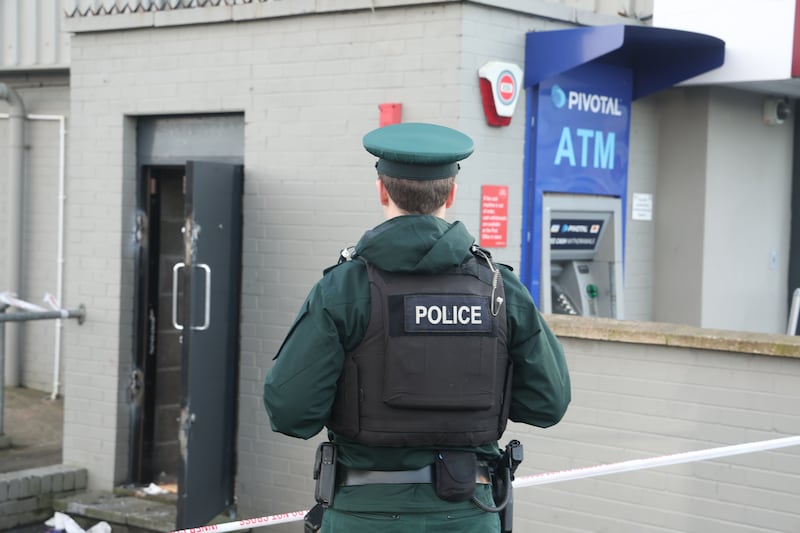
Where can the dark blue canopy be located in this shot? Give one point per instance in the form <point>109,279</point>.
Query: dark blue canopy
<point>658,57</point>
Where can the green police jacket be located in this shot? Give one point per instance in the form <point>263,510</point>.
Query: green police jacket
<point>299,389</point>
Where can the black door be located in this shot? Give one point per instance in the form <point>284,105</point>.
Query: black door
<point>210,275</point>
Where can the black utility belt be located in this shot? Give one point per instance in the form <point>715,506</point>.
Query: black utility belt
<point>352,476</point>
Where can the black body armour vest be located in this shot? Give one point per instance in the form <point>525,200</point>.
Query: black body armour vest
<point>433,368</point>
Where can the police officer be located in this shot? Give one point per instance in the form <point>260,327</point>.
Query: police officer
<point>414,351</point>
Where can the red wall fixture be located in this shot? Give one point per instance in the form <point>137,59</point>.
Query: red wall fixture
<point>500,85</point>
<point>390,114</point>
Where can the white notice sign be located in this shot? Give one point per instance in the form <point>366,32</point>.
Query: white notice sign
<point>642,208</point>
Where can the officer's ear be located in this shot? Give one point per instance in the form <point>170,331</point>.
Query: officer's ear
<point>451,197</point>
<point>383,194</point>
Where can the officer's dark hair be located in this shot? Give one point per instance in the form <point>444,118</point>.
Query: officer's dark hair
<point>418,197</point>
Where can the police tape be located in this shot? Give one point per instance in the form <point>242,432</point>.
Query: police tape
<point>271,520</point>
<point>654,462</point>
<point>550,477</point>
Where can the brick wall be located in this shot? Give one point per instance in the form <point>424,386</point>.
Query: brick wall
<point>308,190</point>
<point>26,496</point>
<point>309,87</point>
<point>661,395</point>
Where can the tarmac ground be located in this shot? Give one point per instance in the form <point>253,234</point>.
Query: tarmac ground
<point>32,429</point>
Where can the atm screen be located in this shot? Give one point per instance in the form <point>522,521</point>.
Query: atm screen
<point>575,234</point>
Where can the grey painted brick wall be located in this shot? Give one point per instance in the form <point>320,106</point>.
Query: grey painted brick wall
<point>633,401</point>
<point>309,87</point>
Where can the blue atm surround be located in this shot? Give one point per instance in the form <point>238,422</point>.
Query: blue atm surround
<point>580,84</point>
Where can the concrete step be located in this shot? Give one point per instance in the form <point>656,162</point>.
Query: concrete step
<point>125,513</point>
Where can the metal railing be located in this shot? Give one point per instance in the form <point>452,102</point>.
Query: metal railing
<point>24,316</point>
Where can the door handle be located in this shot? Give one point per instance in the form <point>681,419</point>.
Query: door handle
<point>207,307</point>
<point>175,268</point>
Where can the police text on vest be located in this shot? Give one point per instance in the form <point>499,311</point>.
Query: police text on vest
<point>446,313</point>
<point>462,314</point>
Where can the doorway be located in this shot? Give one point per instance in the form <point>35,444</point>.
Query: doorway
<point>157,450</point>
<point>184,386</point>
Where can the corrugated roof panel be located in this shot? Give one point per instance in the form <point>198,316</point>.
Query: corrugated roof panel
<point>31,31</point>
<point>88,8</point>
<point>31,36</point>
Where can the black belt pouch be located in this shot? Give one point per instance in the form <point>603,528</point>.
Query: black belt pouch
<point>454,475</point>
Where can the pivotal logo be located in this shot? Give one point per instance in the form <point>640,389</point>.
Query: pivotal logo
<point>598,104</point>
<point>558,96</point>
<point>574,228</point>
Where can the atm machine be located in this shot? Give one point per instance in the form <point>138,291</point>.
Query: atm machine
<point>582,263</point>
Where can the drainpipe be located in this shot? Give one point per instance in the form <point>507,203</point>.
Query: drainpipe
<point>13,279</point>
<point>56,302</point>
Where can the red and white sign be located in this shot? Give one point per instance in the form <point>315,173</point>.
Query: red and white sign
<point>506,87</point>
<point>494,216</point>
<point>500,85</point>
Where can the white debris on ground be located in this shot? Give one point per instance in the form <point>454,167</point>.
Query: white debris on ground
<point>63,522</point>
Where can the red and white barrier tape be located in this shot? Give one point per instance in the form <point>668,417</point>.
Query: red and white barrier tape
<point>551,477</point>
<point>271,520</point>
<point>654,462</point>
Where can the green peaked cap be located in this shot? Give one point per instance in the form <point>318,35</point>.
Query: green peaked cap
<point>418,151</point>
